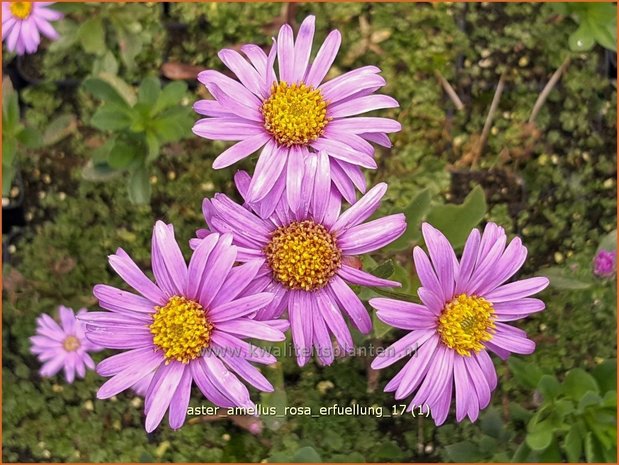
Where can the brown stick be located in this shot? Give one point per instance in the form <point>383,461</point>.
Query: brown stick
<point>488,124</point>
<point>541,99</point>
<point>449,90</point>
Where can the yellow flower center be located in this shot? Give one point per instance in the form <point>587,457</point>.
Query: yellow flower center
<point>465,323</point>
<point>303,255</point>
<point>71,343</point>
<point>180,328</point>
<point>21,10</point>
<point>295,114</point>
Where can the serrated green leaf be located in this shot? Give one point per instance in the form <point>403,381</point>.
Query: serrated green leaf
<point>457,221</point>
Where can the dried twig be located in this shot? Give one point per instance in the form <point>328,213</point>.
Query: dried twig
<point>488,124</point>
<point>449,90</point>
<point>541,99</point>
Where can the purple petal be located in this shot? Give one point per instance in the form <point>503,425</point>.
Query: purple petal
<point>180,400</point>
<point>134,370</point>
<point>366,124</point>
<point>404,315</point>
<point>373,235</point>
<point>350,303</point>
<point>324,59</point>
<point>119,301</point>
<point>362,209</point>
<point>517,290</point>
<point>294,176</point>
<point>208,388</point>
<point>285,54</point>
<point>516,309</point>
<point>240,150</point>
<point>303,48</point>
<point>403,347</point>
<point>129,271</point>
<point>245,327</point>
<point>248,76</point>
<point>362,278</point>
<point>160,392</point>
<point>249,373</point>
<point>334,320</point>
<point>172,268</point>
<point>268,169</point>
<point>362,105</point>
<point>240,307</point>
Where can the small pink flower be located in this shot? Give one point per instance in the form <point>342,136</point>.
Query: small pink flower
<point>24,22</point>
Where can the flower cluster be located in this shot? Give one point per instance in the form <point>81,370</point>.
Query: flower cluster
<point>286,258</point>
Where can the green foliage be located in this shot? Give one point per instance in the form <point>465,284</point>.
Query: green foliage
<point>139,125</point>
<point>576,419</point>
<point>597,23</point>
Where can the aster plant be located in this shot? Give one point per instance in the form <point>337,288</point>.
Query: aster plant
<point>63,346</point>
<point>306,254</point>
<point>24,22</point>
<point>289,114</point>
<point>465,309</point>
<point>188,326</point>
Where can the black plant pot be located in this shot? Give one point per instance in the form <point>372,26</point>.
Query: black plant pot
<point>13,212</point>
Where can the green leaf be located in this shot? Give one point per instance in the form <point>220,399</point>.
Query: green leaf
<point>414,213</point>
<point>578,382</point>
<point>559,279</point>
<point>104,91</point>
<point>573,444</point>
<point>491,423</point>
<point>380,329</point>
<point>30,138</point>
<point>110,118</point>
<point>130,45</point>
<point>122,155</point>
<point>172,94</point>
<point>609,241</point>
<point>606,375</point>
<point>91,35</point>
<point>464,451</point>
<point>525,373</point>
<point>589,399</point>
<point>59,128</point>
<point>153,146</point>
<point>541,438</point>
<point>149,91</point>
<point>593,449</point>
<point>602,19</point>
<point>306,455</point>
<point>457,221</point>
<point>582,39</point>
<point>549,387</point>
<point>139,186</point>
<point>8,171</point>
<point>9,150</point>
<point>10,106</point>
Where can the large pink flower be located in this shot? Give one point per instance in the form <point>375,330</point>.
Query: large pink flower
<point>289,114</point>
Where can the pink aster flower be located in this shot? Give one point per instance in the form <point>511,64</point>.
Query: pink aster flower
<point>465,308</point>
<point>187,327</point>
<point>63,347</point>
<point>24,22</point>
<point>604,264</point>
<point>292,113</point>
<point>306,255</point>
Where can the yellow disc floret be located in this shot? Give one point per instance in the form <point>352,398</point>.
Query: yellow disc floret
<point>180,329</point>
<point>465,323</point>
<point>295,114</point>
<point>21,10</point>
<point>303,255</point>
<point>71,344</point>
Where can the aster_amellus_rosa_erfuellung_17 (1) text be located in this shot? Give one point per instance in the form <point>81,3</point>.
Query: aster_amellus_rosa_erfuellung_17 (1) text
<point>283,262</point>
